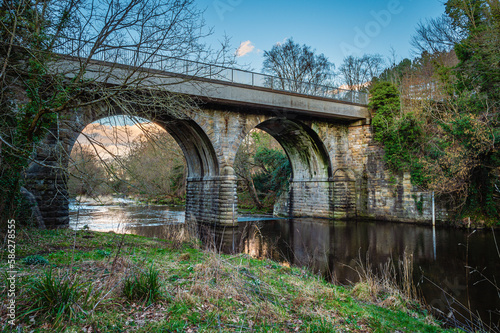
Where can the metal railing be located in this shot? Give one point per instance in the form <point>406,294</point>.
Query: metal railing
<point>196,69</point>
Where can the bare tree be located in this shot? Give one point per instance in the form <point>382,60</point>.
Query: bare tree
<point>436,35</point>
<point>297,67</point>
<point>358,72</point>
<point>62,55</point>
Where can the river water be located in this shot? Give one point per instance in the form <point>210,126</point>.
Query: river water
<point>453,268</point>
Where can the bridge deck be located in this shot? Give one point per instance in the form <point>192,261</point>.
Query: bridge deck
<point>221,85</point>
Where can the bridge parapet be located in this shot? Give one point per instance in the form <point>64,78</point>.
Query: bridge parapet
<point>196,69</point>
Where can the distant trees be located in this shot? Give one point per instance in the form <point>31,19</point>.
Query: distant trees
<point>89,176</point>
<point>263,170</point>
<point>297,67</point>
<point>150,167</point>
<point>155,168</point>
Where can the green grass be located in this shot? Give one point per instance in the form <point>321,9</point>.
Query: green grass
<point>194,290</point>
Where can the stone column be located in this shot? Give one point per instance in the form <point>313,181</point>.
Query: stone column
<point>212,200</point>
<point>311,198</point>
<point>306,198</point>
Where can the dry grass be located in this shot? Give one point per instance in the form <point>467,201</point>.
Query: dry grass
<point>390,285</point>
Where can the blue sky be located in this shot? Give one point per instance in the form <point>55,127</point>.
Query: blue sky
<point>334,28</point>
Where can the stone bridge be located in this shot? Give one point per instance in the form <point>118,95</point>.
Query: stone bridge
<point>337,170</point>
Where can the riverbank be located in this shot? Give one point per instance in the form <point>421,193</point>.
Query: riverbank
<point>198,291</point>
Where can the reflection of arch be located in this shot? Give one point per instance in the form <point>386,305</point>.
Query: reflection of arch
<point>307,153</point>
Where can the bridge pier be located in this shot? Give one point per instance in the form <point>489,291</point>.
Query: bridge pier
<point>343,196</point>
<point>306,198</point>
<point>318,198</point>
<point>212,201</point>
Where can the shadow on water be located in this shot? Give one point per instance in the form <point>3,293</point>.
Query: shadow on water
<point>331,248</point>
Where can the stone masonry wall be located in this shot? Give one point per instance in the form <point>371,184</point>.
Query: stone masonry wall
<point>306,199</point>
<point>210,201</point>
<point>380,193</point>
<point>361,185</point>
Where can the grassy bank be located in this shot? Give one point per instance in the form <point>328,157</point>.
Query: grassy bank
<point>104,282</point>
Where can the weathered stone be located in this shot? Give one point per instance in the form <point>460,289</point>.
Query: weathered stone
<point>338,171</point>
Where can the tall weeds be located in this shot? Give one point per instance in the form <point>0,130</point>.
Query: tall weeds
<point>391,284</point>
<point>461,315</point>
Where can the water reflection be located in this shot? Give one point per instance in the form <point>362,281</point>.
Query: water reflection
<point>332,248</point>
<point>123,219</point>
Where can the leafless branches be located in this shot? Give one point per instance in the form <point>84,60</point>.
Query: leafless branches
<point>357,72</point>
<point>61,58</point>
<point>297,67</point>
<point>436,35</point>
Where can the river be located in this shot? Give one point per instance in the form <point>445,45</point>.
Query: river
<point>450,266</point>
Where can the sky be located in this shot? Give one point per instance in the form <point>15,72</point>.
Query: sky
<point>114,135</point>
<point>335,28</point>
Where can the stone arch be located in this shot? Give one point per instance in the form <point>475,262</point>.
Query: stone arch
<point>309,191</point>
<point>308,156</point>
<point>198,150</point>
<point>344,174</point>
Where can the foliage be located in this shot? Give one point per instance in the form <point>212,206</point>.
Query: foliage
<point>445,133</point>
<point>295,65</point>
<point>399,133</point>
<point>262,165</point>
<point>274,172</point>
<point>478,70</point>
<point>471,128</point>
<point>395,72</point>
<point>155,166</point>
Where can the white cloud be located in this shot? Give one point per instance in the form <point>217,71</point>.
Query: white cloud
<point>244,48</point>
<point>283,41</point>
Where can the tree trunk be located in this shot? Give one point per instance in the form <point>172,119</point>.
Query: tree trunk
<point>253,193</point>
